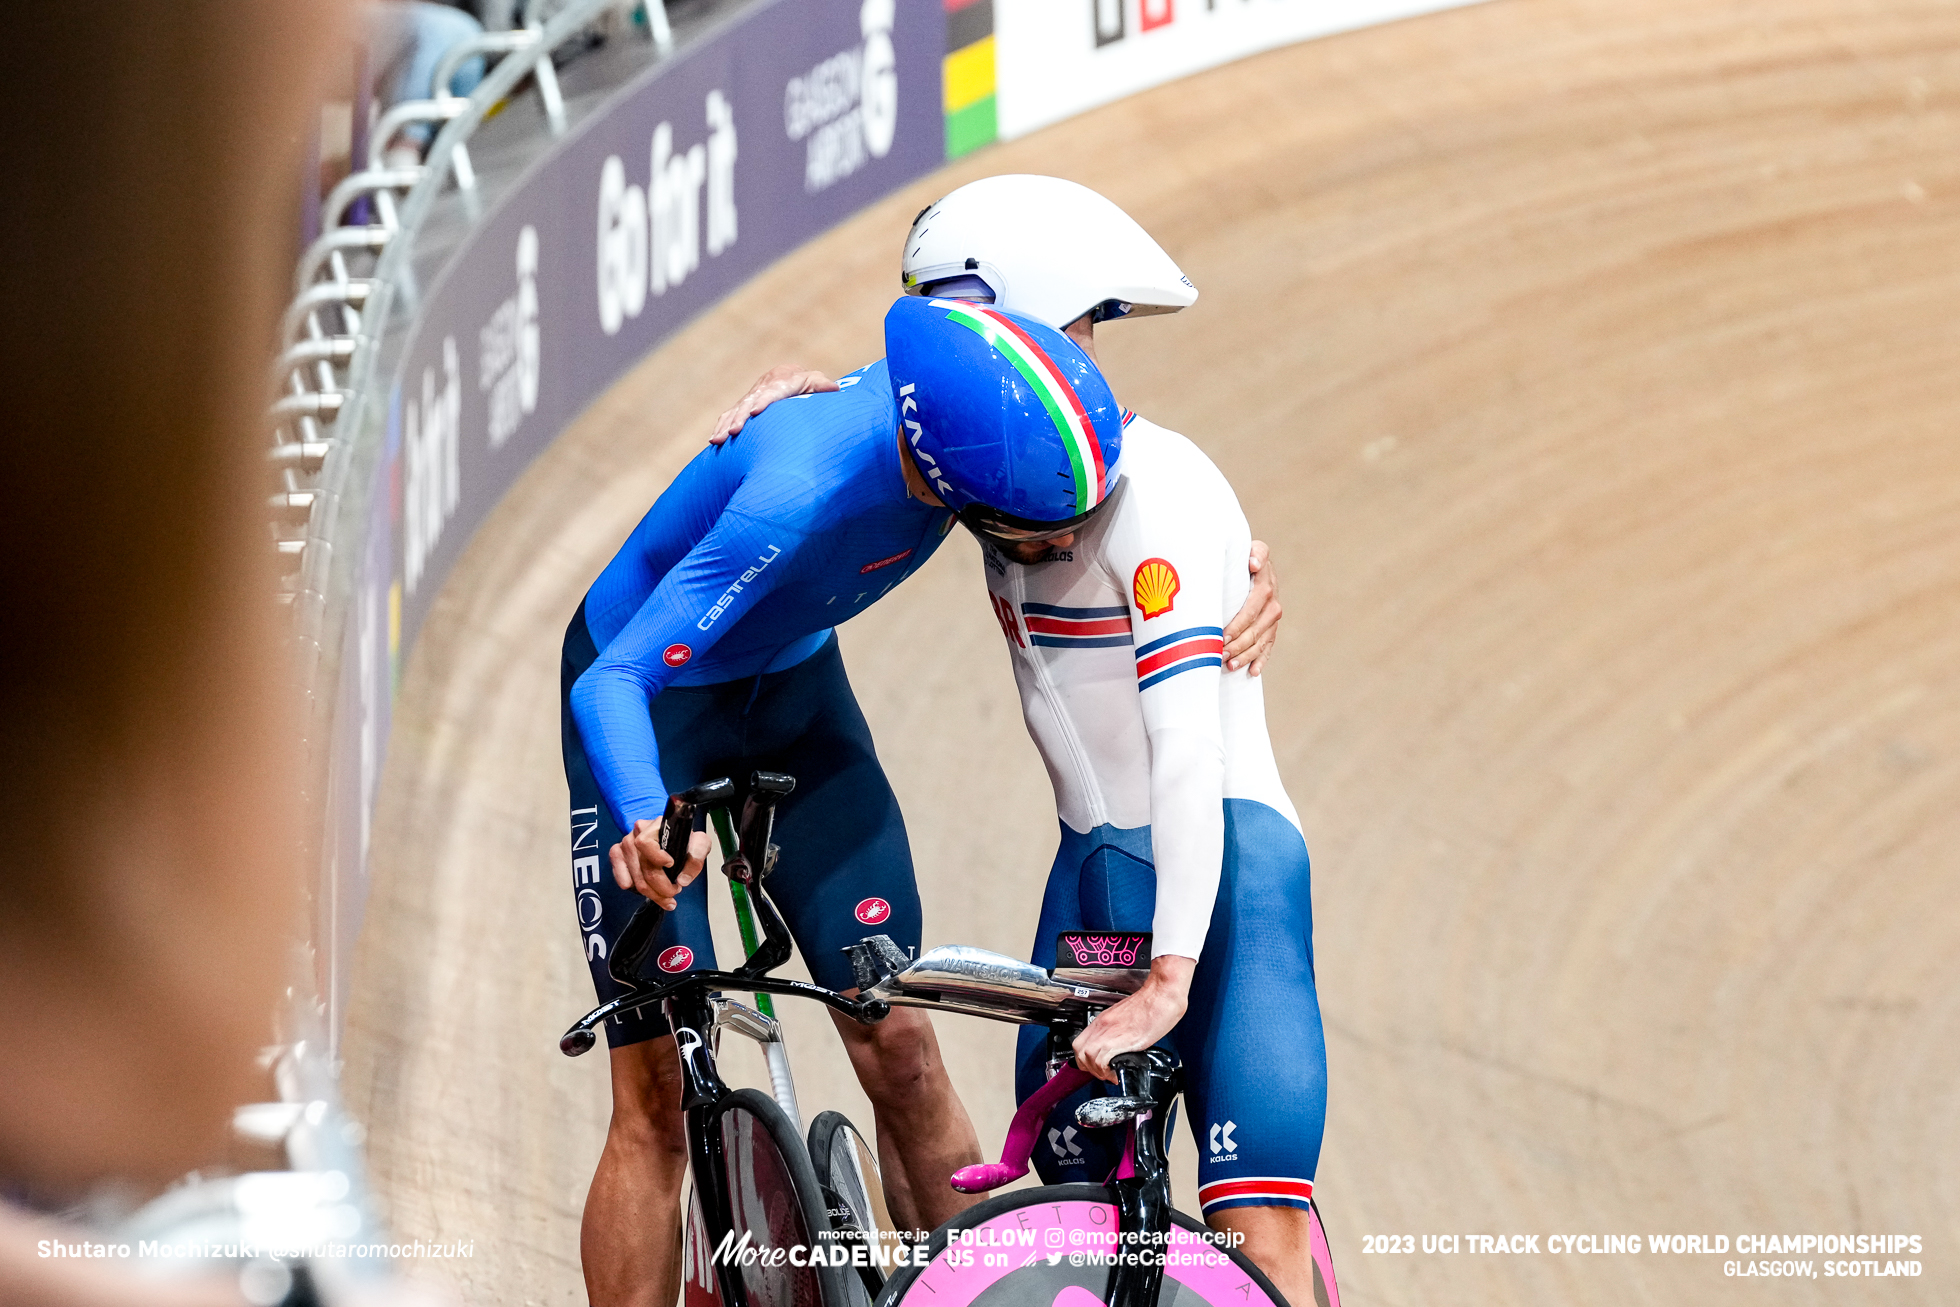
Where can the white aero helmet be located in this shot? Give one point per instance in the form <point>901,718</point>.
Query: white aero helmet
<point>1051,249</point>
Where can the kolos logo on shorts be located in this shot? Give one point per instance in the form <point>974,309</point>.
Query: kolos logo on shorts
<point>872,911</point>
<point>678,958</point>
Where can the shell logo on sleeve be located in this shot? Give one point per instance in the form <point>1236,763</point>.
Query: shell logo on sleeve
<point>1155,587</point>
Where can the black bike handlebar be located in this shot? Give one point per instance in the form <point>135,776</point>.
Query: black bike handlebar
<point>749,864</point>
<point>636,941</point>
<point>582,1036</point>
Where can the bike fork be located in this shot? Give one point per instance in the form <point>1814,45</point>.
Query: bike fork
<point>692,1020</point>
<point>1143,1184</point>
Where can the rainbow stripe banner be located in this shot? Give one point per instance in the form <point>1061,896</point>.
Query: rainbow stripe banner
<point>971,120</point>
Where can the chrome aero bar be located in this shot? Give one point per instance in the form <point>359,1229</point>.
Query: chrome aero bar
<point>960,978</point>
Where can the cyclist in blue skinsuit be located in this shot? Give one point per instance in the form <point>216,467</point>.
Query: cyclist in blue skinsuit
<point>705,649</point>
<point>718,611</point>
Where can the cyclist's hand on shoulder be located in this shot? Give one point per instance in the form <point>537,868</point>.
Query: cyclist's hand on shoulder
<point>1250,635</point>
<point>1139,1020</point>
<point>784,381</point>
<point>639,863</point>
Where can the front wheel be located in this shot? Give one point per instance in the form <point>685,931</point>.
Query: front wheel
<point>853,1195</point>
<point>775,1206</point>
<point>1050,1247</point>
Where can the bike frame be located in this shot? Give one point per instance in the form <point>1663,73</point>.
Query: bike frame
<point>691,1001</point>
<point>1143,1178</point>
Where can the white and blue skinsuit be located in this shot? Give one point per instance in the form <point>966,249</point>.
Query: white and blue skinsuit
<point>1172,813</point>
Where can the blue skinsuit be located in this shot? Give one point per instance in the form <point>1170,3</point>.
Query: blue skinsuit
<point>705,648</point>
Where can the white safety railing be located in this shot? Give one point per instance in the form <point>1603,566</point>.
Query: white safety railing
<point>326,417</point>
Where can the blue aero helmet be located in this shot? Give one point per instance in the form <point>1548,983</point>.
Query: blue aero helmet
<point>1006,419</point>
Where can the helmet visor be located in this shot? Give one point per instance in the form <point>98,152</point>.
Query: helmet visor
<point>1010,530</point>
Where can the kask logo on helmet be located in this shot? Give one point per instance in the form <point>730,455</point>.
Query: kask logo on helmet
<point>928,465</point>
<point>1008,421</point>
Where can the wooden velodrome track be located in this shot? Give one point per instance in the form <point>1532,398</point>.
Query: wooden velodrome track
<point>1594,371</point>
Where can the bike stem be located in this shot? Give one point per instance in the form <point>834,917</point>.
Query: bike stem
<point>751,861</point>
<point>754,856</point>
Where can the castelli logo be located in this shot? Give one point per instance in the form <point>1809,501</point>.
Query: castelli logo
<point>873,911</point>
<point>676,654</point>
<point>678,958</point>
<point>1154,587</point>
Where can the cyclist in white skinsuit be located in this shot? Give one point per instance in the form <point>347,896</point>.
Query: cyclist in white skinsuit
<point>1113,554</point>
<point>1137,602</point>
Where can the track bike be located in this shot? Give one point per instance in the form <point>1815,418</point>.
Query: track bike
<point>756,1200</point>
<point>1116,1244</point>
<point>1075,1245</point>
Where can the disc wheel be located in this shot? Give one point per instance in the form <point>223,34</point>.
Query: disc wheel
<point>1326,1290</point>
<point>775,1201</point>
<point>853,1195</point>
<point>1037,1248</point>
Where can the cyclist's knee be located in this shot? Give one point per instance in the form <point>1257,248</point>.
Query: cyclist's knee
<point>646,1086</point>
<point>896,1057</point>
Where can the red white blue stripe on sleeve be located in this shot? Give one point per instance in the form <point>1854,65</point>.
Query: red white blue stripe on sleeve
<point>1187,650</point>
<point>1255,1191</point>
<point>1056,627</point>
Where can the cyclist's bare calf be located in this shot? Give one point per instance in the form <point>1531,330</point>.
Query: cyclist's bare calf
<point>1277,1240</point>
<point>923,1131</point>
<point>632,1257</point>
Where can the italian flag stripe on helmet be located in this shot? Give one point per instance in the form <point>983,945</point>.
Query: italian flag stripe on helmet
<point>1064,406</point>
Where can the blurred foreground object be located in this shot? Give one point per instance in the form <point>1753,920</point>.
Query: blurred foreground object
<point>146,749</point>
